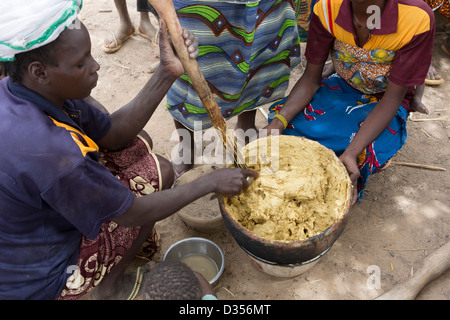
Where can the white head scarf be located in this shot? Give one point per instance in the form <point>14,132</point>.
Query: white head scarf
<point>29,24</point>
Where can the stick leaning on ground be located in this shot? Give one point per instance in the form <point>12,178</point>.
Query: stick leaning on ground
<point>432,267</point>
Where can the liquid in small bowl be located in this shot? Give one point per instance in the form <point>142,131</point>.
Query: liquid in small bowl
<point>202,264</point>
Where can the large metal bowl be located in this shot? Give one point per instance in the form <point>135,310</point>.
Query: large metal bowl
<point>294,252</point>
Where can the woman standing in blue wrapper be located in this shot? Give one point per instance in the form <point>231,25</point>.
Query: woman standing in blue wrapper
<point>247,50</point>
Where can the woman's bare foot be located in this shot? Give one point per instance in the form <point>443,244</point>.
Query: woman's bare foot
<point>115,41</point>
<point>418,106</point>
<point>122,290</point>
<point>126,288</point>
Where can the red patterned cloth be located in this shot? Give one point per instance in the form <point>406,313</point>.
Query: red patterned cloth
<point>138,168</point>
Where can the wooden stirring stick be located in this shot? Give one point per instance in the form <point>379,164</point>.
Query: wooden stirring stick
<point>166,12</point>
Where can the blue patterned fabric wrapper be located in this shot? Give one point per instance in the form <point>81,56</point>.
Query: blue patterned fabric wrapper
<point>247,52</point>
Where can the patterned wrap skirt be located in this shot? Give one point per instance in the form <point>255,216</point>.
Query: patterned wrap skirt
<point>303,12</point>
<point>138,168</point>
<point>335,115</point>
<point>247,50</point>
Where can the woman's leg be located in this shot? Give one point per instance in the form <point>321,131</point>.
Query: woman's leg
<point>125,30</point>
<point>186,150</point>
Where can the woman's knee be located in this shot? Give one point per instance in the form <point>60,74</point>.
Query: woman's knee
<point>167,172</point>
<point>144,135</point>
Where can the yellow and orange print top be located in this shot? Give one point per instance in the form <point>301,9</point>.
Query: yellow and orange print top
<point>399,48</point>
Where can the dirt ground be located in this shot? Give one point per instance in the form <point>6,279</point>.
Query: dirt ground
<point>404,216</point>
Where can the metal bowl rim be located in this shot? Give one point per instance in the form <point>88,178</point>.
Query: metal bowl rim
<point>222,255</point>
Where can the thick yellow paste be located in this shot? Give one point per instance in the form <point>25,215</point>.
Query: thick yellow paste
<point>302,190</point>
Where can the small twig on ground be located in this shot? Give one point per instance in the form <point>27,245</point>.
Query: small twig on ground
<point>121,66</point>
<point>312,281</point>
<point>426,133</point>
<point>418,165</point>
<point>412,249</point>
<point>229,292</point>
<point>428,119</point>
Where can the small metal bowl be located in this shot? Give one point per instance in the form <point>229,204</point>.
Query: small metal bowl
<point>196,245</point>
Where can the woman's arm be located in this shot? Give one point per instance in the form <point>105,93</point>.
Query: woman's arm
<point>154,207</point>
<point>300,96</point>
<point>373,125</point>
<point>129,120</point>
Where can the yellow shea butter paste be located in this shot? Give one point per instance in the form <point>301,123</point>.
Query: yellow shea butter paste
<point>302,190</point>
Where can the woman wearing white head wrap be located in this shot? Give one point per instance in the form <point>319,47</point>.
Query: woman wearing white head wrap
<point>68,225</point>
<point>28,25</point>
